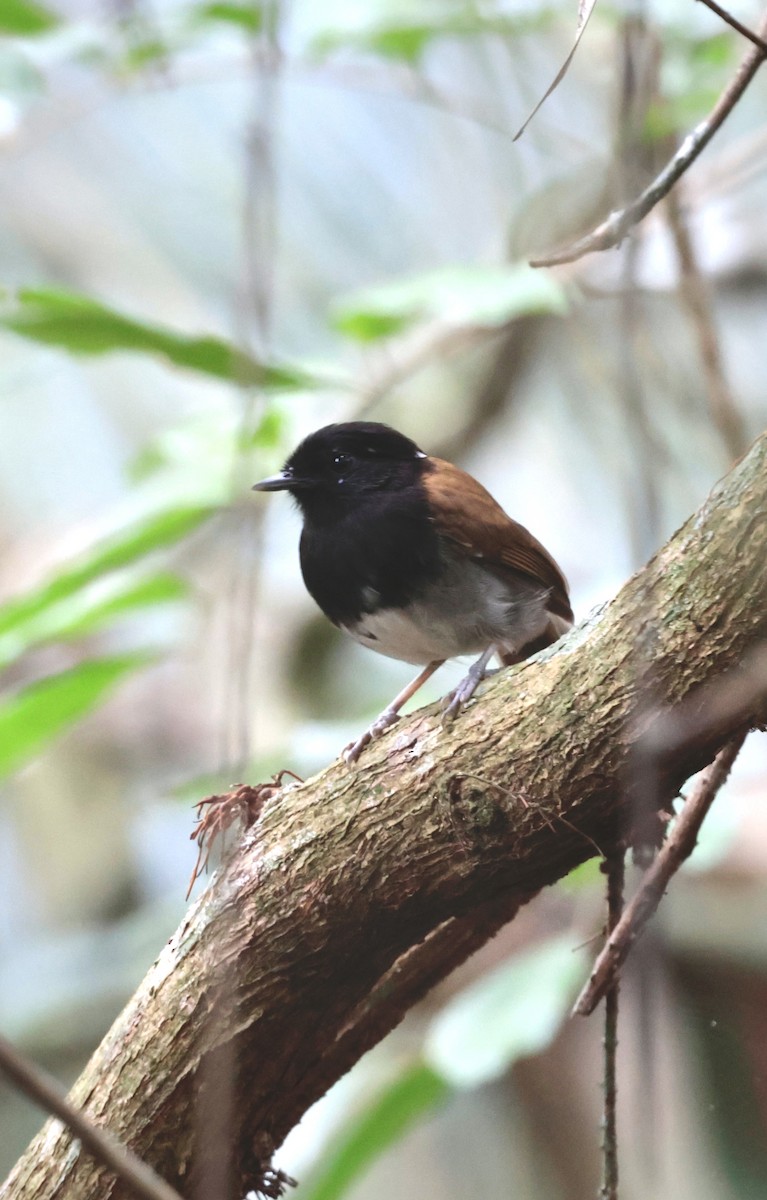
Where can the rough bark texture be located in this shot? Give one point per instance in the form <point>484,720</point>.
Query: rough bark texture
<point>359,889</point>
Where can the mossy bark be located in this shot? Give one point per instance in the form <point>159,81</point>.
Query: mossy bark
<point>356,891</point>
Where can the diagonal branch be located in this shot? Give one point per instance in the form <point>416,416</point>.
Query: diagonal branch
<point>612,231</point>
<point>585,9</point>
<point>357,890</point>
<point>652,889</point>
<point>734,23</point>
<point>695,295</point>
<point>105,1148</point>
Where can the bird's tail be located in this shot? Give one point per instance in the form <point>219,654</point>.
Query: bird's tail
<point>556,627</point>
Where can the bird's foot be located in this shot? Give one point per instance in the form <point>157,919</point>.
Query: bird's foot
<point>456,699</point>
<point>391,713</point>
<point>383,722</point>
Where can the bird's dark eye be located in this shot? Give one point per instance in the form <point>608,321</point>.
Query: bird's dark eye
<point>341,462</point>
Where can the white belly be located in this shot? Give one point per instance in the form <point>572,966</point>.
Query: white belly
<point>470,611</point>
<point>394,633</point>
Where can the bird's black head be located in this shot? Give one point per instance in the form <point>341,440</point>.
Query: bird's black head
<point>341,463</point>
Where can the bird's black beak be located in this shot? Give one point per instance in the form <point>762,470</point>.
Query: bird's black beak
<point>283,481</point>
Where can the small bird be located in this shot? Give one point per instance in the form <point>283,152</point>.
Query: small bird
<point>412,557</point>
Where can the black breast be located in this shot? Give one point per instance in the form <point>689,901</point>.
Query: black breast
<point>379,550</point>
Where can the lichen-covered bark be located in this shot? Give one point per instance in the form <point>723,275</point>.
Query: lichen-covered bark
<point>359,889</point>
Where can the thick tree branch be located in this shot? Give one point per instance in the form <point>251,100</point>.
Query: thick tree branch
<point>359,889</point>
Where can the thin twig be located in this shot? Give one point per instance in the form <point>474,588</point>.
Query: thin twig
<point>585,9</point>
<point>635,161</point>
<point>612,231</point>
<point>696,297</point>
<point>45,1091</point>
<point>614,868</point>
<point>254,306</point>
<point>732,21</point>
<point>676,849</point>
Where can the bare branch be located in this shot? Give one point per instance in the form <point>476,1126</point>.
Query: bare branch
<point>612,231</point>
<point>695,294</point>
<point>734,23</point>
<point>103,1145</point>
<point>615,869</point>
<point>680,845</point>
<point>585,9</point>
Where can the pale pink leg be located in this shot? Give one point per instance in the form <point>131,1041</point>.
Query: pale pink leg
<point>391,713</point>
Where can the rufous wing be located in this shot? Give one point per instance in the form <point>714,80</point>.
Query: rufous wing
<point>466,513</point>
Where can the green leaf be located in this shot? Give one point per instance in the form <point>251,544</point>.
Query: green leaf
<point>84,613</point>
<point>248,16</point>
<point>146,52</point>
<point>149,534</point>
<point>407,42</point>
<point>672,114</point>
<point>162,588</point>
<point>471,295</point>
<point>398,1106</point>
<point>512,1012</point>
<point>717,51</point>
<point>587,875</point>
<point>83,326</point>
<point>24,18</point>
<point>35,715</point>
<point>365,325</point>
<point>268,434</point>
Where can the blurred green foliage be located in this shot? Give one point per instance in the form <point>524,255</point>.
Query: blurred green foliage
<point>83,326</point>
<point>151,533</point>
<point>405,31</point>
<point>32,716</point>
<point>414,1092</point>
<point>81,599</point>
<point>248,17</point>
<point>25,19</point>
<point>486,297</point>
<point>510,1013</point>
<point>85,612</point>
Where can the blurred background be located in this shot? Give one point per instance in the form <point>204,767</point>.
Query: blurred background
<point>221,226</point>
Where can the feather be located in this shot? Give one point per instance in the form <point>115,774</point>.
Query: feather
<point>465,513</point>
